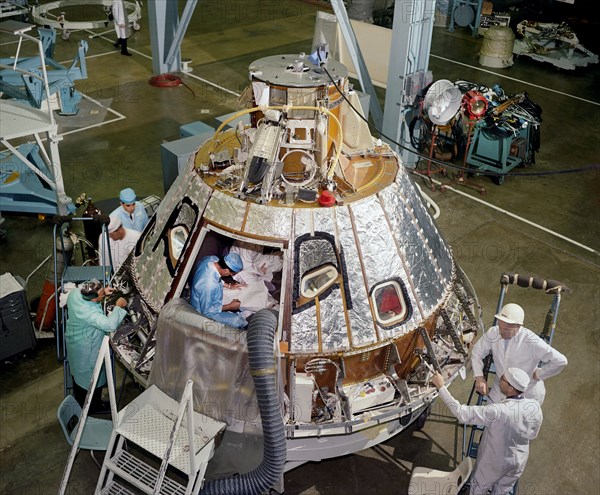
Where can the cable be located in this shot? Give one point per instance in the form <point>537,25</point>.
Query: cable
<point>165,81</point>
<point>168,81</point>
<point>534,109</point>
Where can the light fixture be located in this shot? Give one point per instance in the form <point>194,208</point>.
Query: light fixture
<point>442,102</point>
<point>474,105</point>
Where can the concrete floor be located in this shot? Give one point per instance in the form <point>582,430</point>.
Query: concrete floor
<point>223,39</point>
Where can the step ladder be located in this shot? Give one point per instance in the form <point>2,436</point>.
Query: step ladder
<point>162,429</point>
<point>165,429</point>
<point>554,287</point>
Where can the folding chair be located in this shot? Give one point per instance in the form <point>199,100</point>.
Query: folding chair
<point>96,432</point>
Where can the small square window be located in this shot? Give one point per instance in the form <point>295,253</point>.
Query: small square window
<point>389,303</point>
<point>317,281</point>
<point>177,237</point>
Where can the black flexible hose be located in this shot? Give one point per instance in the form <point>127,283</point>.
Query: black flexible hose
<point>261,334</point>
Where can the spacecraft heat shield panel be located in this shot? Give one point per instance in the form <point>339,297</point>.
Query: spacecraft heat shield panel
<point>303,222</point>
<point>323,220</point>
<point>184,204</point>
<point>226,211</point>
<point>268,221</point>
<point>192,347</point>
<point>421,264</point>
<point>334,334</point>
<point>304,336</point>
<point>360,317</point>
<point>434,238</point>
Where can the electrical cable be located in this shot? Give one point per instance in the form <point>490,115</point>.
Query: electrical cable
<point>534,107</point>
<point>169,81</point>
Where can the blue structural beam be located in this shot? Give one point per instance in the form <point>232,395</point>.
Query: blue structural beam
<point>409,59</point>
<point>166,33</point>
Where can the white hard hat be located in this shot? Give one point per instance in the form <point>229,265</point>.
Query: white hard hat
<point>517,378</point>
<point>511,313</point>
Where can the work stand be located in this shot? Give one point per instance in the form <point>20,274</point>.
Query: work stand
<point>460,179</point>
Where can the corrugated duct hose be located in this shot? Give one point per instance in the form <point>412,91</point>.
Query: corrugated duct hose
<point>261,334</point>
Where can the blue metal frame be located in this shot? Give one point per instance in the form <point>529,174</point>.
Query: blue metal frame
<point>19,84</point>
<point>167,31</point>
<point>476,5</point>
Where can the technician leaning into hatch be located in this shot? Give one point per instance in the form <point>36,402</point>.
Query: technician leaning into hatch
<point>513,345</point>
<point>509,427</point>
<point>207,289</point>
<point>86,327</point>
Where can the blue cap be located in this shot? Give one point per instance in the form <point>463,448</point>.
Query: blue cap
<point>127,195</point>
<point>234,262</point>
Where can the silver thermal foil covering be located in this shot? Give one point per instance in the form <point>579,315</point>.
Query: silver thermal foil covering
<point>190,346</point>
<point>378,249</point>
<point>434,238</point>
<point>315,252</point>
<point>361,319</point>
<point>423,270</point>
<point>269,221</point>
<point>303,221</point>
<point>226,210</point>
<point>304,331</point>
<point>334,335</point>
<point>323,220</point>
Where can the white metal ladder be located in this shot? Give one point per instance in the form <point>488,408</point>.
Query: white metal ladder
<point>153,422</point>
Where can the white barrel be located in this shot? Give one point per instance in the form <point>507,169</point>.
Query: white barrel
<point>497,48</point>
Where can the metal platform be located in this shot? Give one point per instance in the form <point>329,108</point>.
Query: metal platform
<point>19,120</point>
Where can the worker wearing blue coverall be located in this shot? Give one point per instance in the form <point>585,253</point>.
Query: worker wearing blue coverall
<point>207,289</point>
<point>132,213</point>
<point>86,327</point>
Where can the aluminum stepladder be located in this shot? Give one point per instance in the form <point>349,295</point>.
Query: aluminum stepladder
<point>152,421</point>
<point>65,272</point>
<point>472,433</point>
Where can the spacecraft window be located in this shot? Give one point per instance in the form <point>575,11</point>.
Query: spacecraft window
<point>177,238</point>
<point>317,281</point>
<point>388,300</point>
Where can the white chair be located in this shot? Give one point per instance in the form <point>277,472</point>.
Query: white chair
<point>424,480</point>
<point>96,432</point>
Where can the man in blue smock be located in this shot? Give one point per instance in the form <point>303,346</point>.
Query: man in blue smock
<point>207,289</point>
<point>132,213</point>
<point>86,327</point>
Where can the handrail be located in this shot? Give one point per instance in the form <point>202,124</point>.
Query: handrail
<point>187,402</point>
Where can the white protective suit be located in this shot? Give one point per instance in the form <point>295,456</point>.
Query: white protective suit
<point>120,18</point>
<point>257,275</point>
<point>502,454</point>
<point>119,250</point>
<point>525,351</point>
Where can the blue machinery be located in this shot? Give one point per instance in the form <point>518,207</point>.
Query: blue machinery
<point>31,179</point>
<point>21,78</point>
<point>492,153</point>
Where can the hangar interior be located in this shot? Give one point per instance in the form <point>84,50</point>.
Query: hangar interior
<point>539,221</point>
